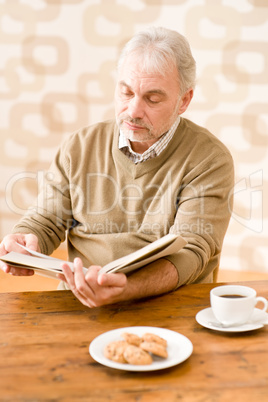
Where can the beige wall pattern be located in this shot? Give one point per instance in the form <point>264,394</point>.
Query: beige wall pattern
<point>57,71</point>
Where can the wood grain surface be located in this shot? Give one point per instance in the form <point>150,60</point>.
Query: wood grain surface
<point>45,336</point>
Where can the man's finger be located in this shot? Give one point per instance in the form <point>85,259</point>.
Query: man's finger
<point>20,271</point>
<point>113,280</point>
<point>84,286</point>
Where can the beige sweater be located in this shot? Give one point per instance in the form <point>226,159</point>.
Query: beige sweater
<point>109,207</point>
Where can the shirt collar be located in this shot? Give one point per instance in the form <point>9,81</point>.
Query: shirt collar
<point>125,146</point>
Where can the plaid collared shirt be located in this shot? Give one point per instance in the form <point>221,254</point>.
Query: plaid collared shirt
<point>154,150</point>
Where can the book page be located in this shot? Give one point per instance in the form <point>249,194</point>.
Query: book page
<point>166,245</point>
<point>36,254</point>
<point>51,266</point>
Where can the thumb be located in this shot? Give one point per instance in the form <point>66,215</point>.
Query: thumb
<point>113,280</point>
<point>31,241</point>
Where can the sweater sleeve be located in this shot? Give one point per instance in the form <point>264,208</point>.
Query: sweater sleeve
<point>51,215</point>
<point>204,207</point>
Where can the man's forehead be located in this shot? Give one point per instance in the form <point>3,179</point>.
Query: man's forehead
<point>133,69</point>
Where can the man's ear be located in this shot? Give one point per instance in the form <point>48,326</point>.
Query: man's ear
<point>185,100</point>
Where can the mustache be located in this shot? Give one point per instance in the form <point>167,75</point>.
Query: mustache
<point>137,121</point>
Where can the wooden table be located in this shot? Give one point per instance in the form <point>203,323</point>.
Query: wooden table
<point>45,336</point>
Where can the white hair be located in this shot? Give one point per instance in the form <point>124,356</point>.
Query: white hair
<point>157,48</point>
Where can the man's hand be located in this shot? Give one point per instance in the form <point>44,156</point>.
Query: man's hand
<point>92,289</point>
<point>9,244</point>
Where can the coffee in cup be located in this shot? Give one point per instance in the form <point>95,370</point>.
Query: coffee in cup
<point>234,305</point>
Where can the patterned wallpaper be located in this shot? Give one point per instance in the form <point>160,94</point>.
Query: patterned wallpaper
<point>57,72</point>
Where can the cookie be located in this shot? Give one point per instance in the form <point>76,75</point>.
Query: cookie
<point>115,351</point>
<point>135,355</point>
<point>133,339</point>
<point>154,338</point>
<point>155,348</point>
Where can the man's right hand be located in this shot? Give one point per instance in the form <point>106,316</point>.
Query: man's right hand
<point>9,244</point>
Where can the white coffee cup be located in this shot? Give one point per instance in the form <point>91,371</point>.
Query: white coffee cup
<point>234,304</point>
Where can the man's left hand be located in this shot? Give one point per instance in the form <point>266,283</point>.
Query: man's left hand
<point>93,289</point>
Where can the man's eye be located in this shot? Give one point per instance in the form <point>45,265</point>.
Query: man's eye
<point>126,94</point>
<point>153,100</point>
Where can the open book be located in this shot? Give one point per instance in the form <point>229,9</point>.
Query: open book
<point>49,266</point>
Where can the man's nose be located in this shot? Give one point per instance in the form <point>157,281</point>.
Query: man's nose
<point>136,108</point>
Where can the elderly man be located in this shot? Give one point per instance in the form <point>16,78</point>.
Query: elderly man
<point>119,185</point>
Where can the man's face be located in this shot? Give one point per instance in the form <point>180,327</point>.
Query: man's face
<point>146,104</point>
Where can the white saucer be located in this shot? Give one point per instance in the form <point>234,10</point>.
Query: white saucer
<point>179,348</point>
<point>207,319</point>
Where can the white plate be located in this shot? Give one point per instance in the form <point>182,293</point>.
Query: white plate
<point>179,348</point>
<point>207,319</point>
